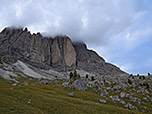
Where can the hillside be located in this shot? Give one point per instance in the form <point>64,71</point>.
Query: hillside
<point>36,98</point>
<point>55,75</point>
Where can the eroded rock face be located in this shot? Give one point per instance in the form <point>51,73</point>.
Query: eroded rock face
<point>56,56</point>
<point>90,61</point>
<point>46,52</point>
<point>63,53</point>
<point>37,50</point>
<point>69,53</point>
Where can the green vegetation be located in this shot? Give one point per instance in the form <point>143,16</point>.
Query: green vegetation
<point>147,85</point>
<point>92,78</point>
<point>74,75</point>
<point>143,77</point>
<point>48,99</point>
<point>1,61</point>
<point>87,76</point>
<point>131,75</point>
<point>129,81</point>
<point>71,75</point>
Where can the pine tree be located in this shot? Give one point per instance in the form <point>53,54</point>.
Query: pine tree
<point>92,78</point>
<point>147,85</point>
<point>87,76</point>
<point>75,74</point>
<point>129,81</point>
<point>71,75</point>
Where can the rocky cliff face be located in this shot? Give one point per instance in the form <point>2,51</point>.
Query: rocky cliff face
<point>58,53</point>
<point>90,61</point>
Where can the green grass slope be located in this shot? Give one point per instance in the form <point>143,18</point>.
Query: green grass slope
<point>51,99</point>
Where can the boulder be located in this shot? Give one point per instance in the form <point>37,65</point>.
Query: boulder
<point>130,106</point>
<point>79,84</point>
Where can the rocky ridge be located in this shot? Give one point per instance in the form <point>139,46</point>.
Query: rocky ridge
<point>59,53</point>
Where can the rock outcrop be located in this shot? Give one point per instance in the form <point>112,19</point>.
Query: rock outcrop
<point>90,61</point>
<point>58,53</point>
<point>37,50</point>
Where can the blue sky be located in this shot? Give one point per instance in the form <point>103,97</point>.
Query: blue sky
<point>119,30</point>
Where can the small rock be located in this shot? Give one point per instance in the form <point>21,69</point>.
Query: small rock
<point>144,107</point>
<point>10,82</point>
<point>142,110</point>
<point>30,78</point>
<point>71,94</point>
<point>45,82</point>
<point>122,102</point>
<point>104,93</point>
<point>95,90</point>
<point>25,83</point>
<point>130,106</point>
<point>108,88</point>
<point>124,95</point>
<point>102,101</point>
<point>15,84</point>
<point>29,101</point>
<point>11,88</point>
<point>65,84</point>
<point>33,84</point>
<point>115,98</point>
<point>145,98</point>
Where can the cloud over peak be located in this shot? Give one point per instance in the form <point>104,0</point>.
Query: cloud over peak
<point>106,26</point>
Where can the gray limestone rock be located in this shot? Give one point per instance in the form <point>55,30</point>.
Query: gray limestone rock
<point>25,83</point>
<point>124,95</point>
<point>122,102</point>
<point>116,98</point>
<point>65,84</point>
<point>79,84</point>
<point>130,106</point>
<point>102,101</point>
<point>104,93</point>
<point>71,94</point>
<point>44,82</point>
<point>58,53</point>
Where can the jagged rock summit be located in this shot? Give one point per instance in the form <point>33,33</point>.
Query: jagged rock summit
<point>59,53</point>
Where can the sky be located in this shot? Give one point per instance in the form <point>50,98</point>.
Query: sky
<point>118,30</point>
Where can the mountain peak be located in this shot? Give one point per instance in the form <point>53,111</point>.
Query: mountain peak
<point>59,53</point>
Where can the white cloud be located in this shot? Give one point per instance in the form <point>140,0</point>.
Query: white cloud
<point>112,27</point>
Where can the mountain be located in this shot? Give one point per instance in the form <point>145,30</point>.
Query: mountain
<point>59,53</point>
<point>43,75</point>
